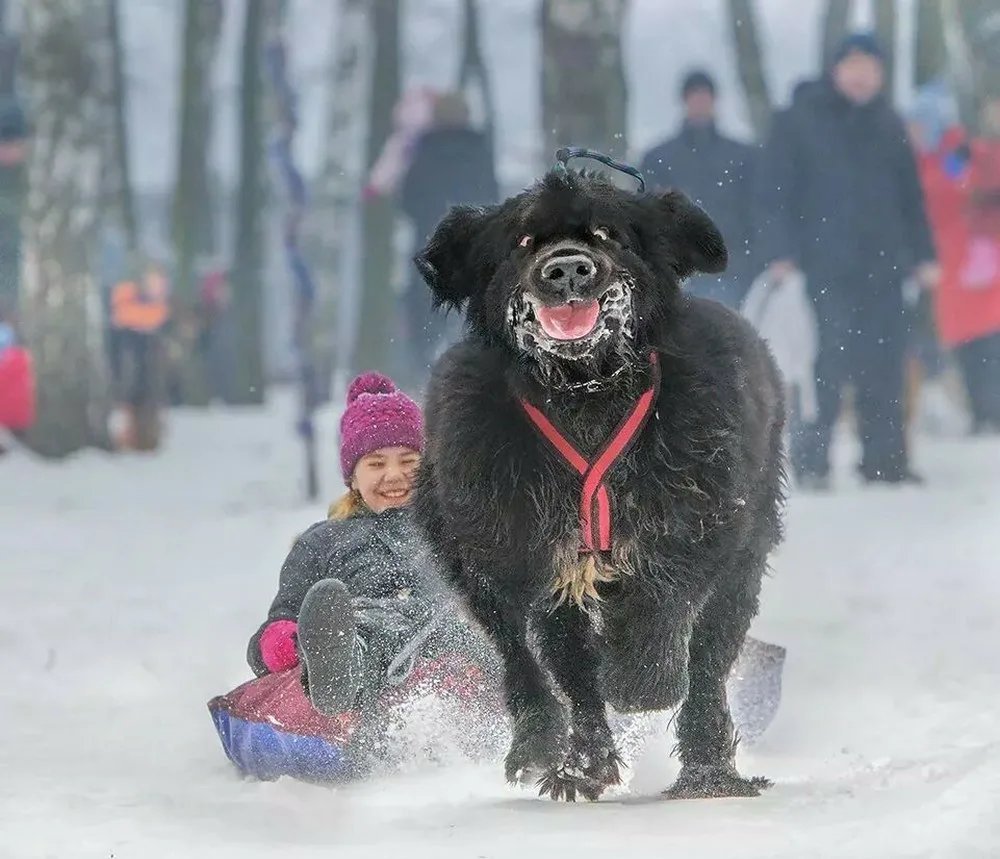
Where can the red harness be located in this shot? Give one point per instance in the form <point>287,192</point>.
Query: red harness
<point>595,500</point>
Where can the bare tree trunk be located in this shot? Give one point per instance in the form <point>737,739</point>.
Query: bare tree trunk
<point>193,215</point>
<point>931,53</point>
<point>472,69</point>
<point>981,20</point>
<point>584,91</point>
<point>836,22</point>
<point>885,27</point>
<point>249,258</point>
<point>335,206</point>
<point>379,217</point>
<point>285,103</point>
<point>119,107</point>
<point>961,63</point>
<point>65,60</point>
<point>750,64</point>
<point>193,225</point>
<point>9,54</point>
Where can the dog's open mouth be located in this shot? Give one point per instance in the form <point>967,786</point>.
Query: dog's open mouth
<point>573,330</point>
<point>569,321</point>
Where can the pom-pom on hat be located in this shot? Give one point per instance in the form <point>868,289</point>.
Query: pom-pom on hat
<point>378,415</point>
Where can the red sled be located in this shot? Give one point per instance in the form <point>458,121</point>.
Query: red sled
<point>17,389</point>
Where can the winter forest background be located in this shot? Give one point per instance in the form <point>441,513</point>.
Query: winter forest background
<point>179,117</point>
<point>430,50</point>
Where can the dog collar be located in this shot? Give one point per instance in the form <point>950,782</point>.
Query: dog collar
<point>596,521</point>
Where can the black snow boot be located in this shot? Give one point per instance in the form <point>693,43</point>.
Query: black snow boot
<point>330,649</point>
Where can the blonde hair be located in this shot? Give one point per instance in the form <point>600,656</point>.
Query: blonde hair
<point>349,504</point>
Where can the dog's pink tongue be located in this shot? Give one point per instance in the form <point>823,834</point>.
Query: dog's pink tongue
<point>569,321</point>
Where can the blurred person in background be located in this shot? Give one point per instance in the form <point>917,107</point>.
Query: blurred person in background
<point>961,177</point>
<point>716,172</point>
<point>140,310</point>
<point>838,197</point>
<point>215,334</point>
<point>452,164</point>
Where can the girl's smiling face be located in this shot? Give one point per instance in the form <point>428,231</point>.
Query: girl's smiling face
<point>385,477</point>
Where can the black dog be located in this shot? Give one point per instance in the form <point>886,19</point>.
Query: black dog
<point>604,473</point>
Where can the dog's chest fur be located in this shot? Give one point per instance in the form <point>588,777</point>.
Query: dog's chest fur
<point>510,498</point>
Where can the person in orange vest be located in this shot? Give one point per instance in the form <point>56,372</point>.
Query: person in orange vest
<point>140,309</point>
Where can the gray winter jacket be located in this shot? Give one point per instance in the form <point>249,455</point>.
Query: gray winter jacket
<point>402,605</point>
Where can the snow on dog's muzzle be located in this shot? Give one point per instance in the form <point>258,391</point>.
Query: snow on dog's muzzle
<point>575,329</point>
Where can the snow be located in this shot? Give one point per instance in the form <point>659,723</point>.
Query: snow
<point>130,585</point>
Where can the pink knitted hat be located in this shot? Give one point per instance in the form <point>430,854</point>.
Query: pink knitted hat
<point>378,415</point>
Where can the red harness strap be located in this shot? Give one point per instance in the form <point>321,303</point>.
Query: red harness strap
<point>594,498</point>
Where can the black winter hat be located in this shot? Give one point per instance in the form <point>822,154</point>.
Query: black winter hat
<point>858,43</point>
<point>695,80</point>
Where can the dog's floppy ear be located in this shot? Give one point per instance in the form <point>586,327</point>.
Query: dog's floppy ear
<point>449,261</point>
<point>678,230</point>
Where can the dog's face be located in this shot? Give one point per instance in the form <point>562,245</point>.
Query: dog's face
<point>572,274</point>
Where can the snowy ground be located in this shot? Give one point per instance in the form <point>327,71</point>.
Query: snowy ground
<point>128,587</point>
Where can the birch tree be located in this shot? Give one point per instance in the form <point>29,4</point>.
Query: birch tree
<point>65,59</point>
<point>333,223</point>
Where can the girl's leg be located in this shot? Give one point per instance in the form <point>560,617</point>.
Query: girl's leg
<point>332,658</point>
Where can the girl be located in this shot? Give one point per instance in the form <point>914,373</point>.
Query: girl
<point>359,597</point>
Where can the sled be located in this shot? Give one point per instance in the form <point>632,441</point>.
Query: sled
<point>754,688</point>
<point>268,727</point>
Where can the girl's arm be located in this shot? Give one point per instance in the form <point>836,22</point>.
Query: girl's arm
<point>273,647</point>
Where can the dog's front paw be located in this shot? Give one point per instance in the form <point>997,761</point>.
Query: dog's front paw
<point>592,766</point>
<point>709,782</point>
<point>541,742</point>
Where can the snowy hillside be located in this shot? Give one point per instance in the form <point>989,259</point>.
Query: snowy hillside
<point>129,588</point>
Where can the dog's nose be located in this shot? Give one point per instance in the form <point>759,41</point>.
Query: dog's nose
<point>566,275</point>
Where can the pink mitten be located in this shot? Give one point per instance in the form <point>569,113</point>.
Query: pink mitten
<point>277,646</point>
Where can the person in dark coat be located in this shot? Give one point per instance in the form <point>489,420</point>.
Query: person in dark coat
<point>360,597</point>
<point>838,197</point>
<point>717,173</point>
<point>452,164</point>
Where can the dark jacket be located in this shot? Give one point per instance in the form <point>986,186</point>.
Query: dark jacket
<point>450,167</point>
<point>717,173</point>
<point>388,569</point>
<point>837,192</point>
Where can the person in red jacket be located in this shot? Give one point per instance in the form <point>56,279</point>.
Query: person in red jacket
<point>17,379</point>
<point>961,179</point>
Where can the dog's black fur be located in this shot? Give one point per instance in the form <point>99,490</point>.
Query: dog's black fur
<point>697,500</point>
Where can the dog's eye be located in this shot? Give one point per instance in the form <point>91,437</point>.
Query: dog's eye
<point>601,233</point>
<point>524,241</point>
